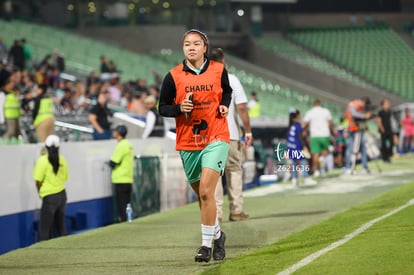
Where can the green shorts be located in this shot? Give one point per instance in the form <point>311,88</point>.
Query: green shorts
<point>319,144</point>
<point>213,156</point>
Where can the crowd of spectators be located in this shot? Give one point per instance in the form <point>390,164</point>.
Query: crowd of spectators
<point>75,97</point>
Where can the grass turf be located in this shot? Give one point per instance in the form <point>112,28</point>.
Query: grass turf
<point>165,243</point>
<point>385,248</point>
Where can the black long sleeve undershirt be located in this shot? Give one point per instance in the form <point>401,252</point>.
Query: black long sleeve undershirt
<point>169,92</point>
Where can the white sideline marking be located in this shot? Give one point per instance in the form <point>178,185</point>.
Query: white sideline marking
<point>309,259</point>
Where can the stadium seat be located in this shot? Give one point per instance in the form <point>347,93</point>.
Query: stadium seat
<point>375,53</point>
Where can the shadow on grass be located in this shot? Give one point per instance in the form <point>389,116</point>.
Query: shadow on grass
<point>291,214</point>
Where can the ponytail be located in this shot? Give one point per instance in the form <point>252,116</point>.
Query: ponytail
<point>53,157</point>
<point>293,114</point>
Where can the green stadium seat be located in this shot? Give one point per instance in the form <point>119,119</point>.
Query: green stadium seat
<point>375,53</point>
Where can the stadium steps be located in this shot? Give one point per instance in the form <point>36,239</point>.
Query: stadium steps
<point>284,47</point>
<point>82,55</point>
<point>376,53</point>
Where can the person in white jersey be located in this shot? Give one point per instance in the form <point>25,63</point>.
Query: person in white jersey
<point>233,171</point>
<point>319,122</point>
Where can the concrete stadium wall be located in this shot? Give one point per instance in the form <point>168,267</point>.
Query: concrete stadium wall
<point>89,187</point>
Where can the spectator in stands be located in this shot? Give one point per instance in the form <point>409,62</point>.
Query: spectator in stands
<point>297,148</point>
<point>92,78</point>
<point>11,106</point>
<point>53,78</point>
<point>104,65</point>
<point>81,100</point>
<point>69,84</point>
<point>66,103</point>
<point>319,121</point>
<point>93,92</point>
<point>356,117</point>
<point>16,56</point>
<point>51,173</point>
<point>115,91</point>
<point>43,114</point>
<point>385,129</point>
<point>253,105</point>
<point>138,108</point>
<point>233,170</point>
<point>202,130</point>
<point>99,118</point>
<point>27,53</point>
<point>27,101</point>
<point>46,63</point>
<point>40,72</point>
<point>155,91</point>
<point>154,124</point>
<point>28,83</point>
<point>122,164</point>
<point>125,99</point>
<point>59,62</point>
<point>59,92</point>
<point>112,67</point>
<point>142,86</point>
<point>407,124</point>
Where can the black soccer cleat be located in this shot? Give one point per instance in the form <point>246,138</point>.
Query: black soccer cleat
<point>203,254</point>
<point>219,252</point>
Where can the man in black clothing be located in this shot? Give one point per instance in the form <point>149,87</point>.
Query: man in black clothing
<point>59,61</point>
<point>98,117</point>
<point>104,65</point>
<point>16,55</point>
<point>385,129</point>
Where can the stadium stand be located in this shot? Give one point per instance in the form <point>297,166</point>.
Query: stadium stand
<point>376,53</point>
<point>82,56</point>
<point>281,46</point>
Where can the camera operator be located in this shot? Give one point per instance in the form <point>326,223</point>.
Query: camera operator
<point>357,113</point>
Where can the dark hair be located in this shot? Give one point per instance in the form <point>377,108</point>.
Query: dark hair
<point>292,116</point>
<point>43,87</point>
<point>53,157</point>
<point>367,100</point>
<point>255,95</point>
<point>122,130</point>
<point>383,101</point>
<point>217,54</point>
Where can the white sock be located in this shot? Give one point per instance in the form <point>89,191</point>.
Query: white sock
<point>207,234</point>
<point>217,230</point>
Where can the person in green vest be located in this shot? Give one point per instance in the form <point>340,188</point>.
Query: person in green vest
<point>253,105</point>
<point>27,53</point>
<point>43,114</point>
<point>50,174</point>
<point>122,164</point>
<point>11,106</point>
